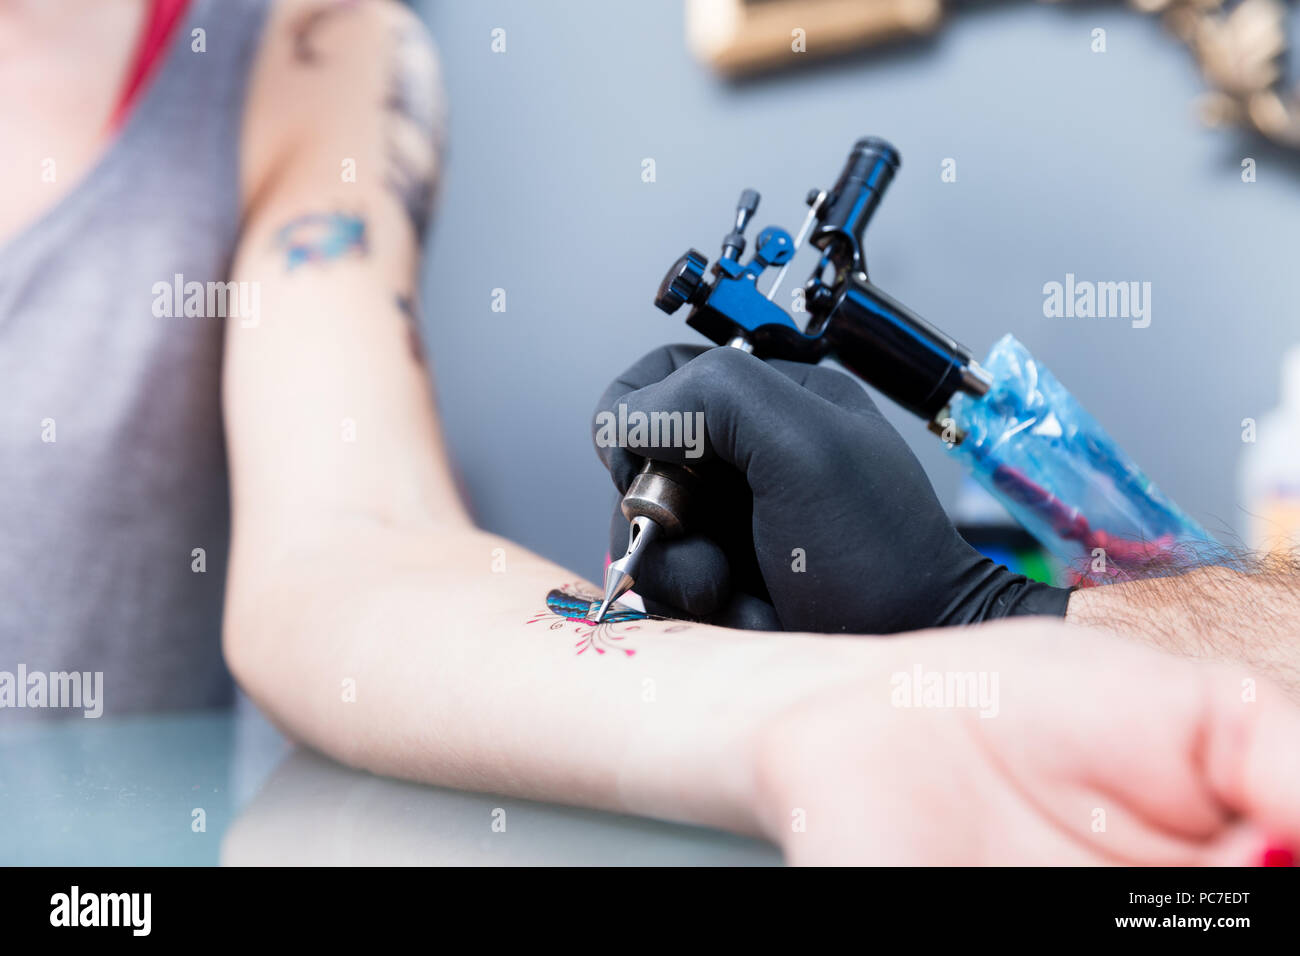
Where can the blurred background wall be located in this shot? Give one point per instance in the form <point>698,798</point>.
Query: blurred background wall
<point>1067,161</point>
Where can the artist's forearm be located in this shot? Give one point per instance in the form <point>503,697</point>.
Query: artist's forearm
<point>463,678</point>
<point>1211,613</point>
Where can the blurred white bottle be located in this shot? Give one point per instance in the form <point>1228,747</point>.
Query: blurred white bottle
<point>1270,469</point>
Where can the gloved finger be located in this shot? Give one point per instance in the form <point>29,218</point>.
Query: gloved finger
<point>690,574</point>
<point>623,464</point>
<point>747,613</point>
<point>747,410</point>
<point>835,386</point>
<point>742,611</point>
<point>650,368</point>
<point>658,609</point>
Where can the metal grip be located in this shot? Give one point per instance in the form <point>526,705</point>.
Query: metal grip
<point>662,492</point>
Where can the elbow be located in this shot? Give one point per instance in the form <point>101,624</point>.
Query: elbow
<point>235,641</point>
<point>244,647</point>
<point>239,638</point>
<point>239,646</point>
<point>274,667</point>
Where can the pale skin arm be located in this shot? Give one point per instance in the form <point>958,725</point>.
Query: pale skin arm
<point>354,561</point>
<point>354,566</point>
<point>1100,751</point>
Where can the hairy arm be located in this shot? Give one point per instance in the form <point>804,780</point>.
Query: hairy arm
<point>365,613</point>
<point>1211,613</point>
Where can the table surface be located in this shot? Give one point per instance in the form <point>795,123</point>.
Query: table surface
<point>223,787</point>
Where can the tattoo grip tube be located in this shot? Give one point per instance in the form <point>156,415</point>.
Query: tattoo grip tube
<point>662,492</point>
<point>657,505</point>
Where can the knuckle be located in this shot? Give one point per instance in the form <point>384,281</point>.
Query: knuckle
<point>680,354</point>
<point>723,369</point>
<point>830,381</point>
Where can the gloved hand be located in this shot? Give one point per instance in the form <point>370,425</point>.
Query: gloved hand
<point>818,518</point>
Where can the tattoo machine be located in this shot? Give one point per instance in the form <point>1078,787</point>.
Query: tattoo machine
<point>1008,421</point>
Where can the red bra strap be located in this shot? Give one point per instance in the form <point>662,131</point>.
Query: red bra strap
<point>161,20</point>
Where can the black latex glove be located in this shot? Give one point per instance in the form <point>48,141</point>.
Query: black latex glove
<point>802,470</point>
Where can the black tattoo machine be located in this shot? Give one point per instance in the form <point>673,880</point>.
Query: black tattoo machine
<point>872,335</point>
<point>1013,426</point>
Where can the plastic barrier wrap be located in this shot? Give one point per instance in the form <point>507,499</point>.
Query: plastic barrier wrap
<point>1061,476</point>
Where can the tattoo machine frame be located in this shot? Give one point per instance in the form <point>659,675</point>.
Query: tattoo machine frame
<point>1031,444</point>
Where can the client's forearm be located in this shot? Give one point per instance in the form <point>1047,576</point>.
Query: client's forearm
<point>1213,613</point>
<point>435,656</point>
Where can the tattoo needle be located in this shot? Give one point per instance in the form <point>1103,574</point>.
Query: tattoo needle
<point>659,498</point>
<point>622,574</point>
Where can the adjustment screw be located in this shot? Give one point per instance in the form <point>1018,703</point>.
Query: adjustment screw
<point>683,282</point>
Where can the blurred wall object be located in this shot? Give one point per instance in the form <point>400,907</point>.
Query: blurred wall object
<point>1270,470</point>
<point>1241,51</point>
<point>1239,46</point>
<point>744,36</point>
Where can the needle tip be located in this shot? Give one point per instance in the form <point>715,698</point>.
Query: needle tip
<point>621,574</point>
<point>617,583</point>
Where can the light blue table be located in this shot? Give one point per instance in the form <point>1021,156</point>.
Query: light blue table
<point>124,792</point>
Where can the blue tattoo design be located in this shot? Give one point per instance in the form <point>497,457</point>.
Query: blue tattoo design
<point>318,237</point>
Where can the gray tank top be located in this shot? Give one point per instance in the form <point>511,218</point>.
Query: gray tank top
<point>112,457</point>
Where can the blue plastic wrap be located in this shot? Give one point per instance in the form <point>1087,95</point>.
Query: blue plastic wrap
<point>1065,480</point>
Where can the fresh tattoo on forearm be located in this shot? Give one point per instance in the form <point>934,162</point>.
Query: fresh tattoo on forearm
<point>320,237</point>
<point>572,606</point>
<point>412,104</point>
